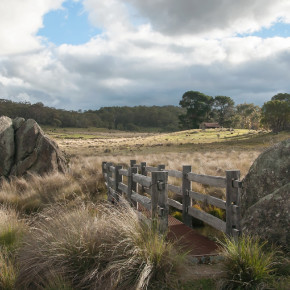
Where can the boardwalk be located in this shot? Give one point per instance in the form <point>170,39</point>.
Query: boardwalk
<point>189,239</point>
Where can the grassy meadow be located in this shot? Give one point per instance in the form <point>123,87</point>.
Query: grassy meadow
<point>58,232</point>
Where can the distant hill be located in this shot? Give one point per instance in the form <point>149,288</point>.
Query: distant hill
<point>138,118</point>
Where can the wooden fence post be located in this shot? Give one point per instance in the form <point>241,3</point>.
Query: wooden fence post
<point>159,200</point>
<point>109,174</point>
<point>104,168</point>
<point>117,180</point>
<point>186,200</point>
<point>233,212</point>
<point>131,184</point>
<point>132,163</point>
<point>160,167</point>
<point>143,172</point>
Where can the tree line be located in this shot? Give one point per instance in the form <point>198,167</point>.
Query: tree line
<point>161,118</point>
<point>199,107</point>
<point>195,108</point>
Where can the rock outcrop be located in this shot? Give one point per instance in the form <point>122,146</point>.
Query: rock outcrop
<point>270,171</point>
<point>265,199</point>
<point>25,149</point>
<point>269,218</point>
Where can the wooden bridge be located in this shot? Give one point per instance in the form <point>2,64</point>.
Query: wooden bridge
<point>146,188</point>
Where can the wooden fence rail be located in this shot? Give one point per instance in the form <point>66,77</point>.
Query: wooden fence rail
<point>152,193</point>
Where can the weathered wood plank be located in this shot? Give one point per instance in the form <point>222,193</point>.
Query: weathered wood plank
<point>174,173</point>
<point>175,203</point>
<point>123,172</point>
<point>144,200</point>
<point>111,181</point>
<point>159,199</point>
<point>209,199</point>
<point>233,195</point>
<point>175,189</point>
<point>143,180</point>
<point>123,187</point>
<point>151,168</point>
<point>186,200</point>
<point>118,178</point>
<point>237,184</point>
<point>207,218</point>
<point>114,194</point>
<point>112,168</point>
<point>216,181</point>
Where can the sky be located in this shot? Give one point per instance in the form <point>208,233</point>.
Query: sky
<point>87,54</point>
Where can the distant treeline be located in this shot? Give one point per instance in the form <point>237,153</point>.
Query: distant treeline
<point>195,108</point>
<point>137,118</point>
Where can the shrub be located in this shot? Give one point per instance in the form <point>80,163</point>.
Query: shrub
<point>248,264</point>
<point>101,247</point>
<point>177,215</point>
<point>215,211</point>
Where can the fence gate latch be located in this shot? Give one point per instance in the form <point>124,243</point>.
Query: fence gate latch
<point>160,185</point>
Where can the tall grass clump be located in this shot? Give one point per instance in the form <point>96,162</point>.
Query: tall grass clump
<point>33,192</point>
<point>8,271</point>
<point>96,247</point>
<point>249,263</point>
<point>12,228</point>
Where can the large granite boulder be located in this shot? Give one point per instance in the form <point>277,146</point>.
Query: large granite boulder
<point>269,218</point>
<point>270,171</point>
<point>265,199</point>
<point>25,149</point>
<point>7,146</point>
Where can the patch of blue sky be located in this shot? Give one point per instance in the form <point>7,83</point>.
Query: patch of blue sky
<point>278,29</point>
<point>69,25</point>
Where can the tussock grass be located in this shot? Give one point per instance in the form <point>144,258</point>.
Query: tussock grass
<point>8,270</point>
<point>12,228</point>
<point>35,192</point>
<point>249,264</point>
<point>101,247</point>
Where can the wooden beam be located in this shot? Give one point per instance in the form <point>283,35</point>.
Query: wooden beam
<point>233,196</point>
<point>145,201</point>
<point>175,189</point>
<point>123,187</point>
<point>209,199</point>
<point>123,172</point>
<point>175,203</point>
<point>216,181</point>
<point>150,168</point>
<point>208,218</point>
<point>143,180</point>
<point>186,200</point>
<point>175,173</point>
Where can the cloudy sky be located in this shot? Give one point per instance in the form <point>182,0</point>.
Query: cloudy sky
<point>86,54</point>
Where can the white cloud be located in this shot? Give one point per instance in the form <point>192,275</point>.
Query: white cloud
<point>151,63</point>
<point>19,23</point>
<point>212,17</point>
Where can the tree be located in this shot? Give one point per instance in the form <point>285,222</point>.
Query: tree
<point>223,110</point>
<point>276,113</point>
<point>198,108</point>
<point>248,116</point>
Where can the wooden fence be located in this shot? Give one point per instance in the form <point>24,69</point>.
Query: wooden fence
<point>135,185</point>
